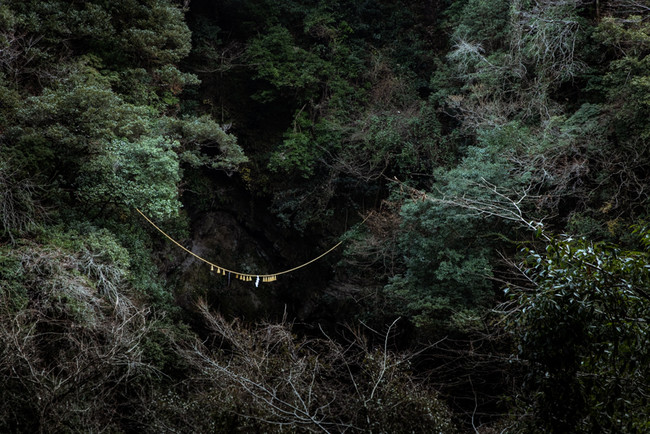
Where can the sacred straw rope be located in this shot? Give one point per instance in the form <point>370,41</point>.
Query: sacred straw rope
<point>241,276</point>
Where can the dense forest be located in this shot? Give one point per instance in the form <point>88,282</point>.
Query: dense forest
<point>485,166</point>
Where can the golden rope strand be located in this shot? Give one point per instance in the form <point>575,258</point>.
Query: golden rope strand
<point>237,273</point>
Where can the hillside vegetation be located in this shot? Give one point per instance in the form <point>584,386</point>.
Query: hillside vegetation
<point>486,165</point>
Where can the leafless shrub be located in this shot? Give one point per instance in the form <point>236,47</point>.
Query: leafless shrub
<point>107,277</point>
<point>17,51</point>
<point>542,54</point>
<point>311,385</point>
<point>361,163</point>
<point>550,31</point>
<point>626,175</point>
<point>19,209</point>
<point>66,357</point>
<point>54,269</point>
<point>583,168</point>
<point>625,8</point>
<point>221,59</point>
<point>376,253</point>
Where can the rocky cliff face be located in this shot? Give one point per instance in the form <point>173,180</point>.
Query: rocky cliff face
<point>249,242</point>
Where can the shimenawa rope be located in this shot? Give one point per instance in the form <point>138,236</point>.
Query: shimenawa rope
<point>246,277</point>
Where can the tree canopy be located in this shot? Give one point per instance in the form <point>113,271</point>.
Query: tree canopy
<point>496,151</point>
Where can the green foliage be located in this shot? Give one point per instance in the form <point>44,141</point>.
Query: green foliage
<point>398,142</point>
<point>301,147</point>
<point>152,32</point>
<point>141,174</point>
<point>447,264</point>
<point>85,135</point>
<point>103,144</point>
<point>583,332</point>
<point>626,81</point>
<point>98,243</point>
<point>78,116</point>
<point>159,34</point>
<point>628,36</point>
<point>199,133</point>
<point>285,65</point>
<point>12,288</point>
<point>505,109</point>
<point>448,236</point>
<point>480,21</point>
<point>20,211</point>
<point>296,152</point>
